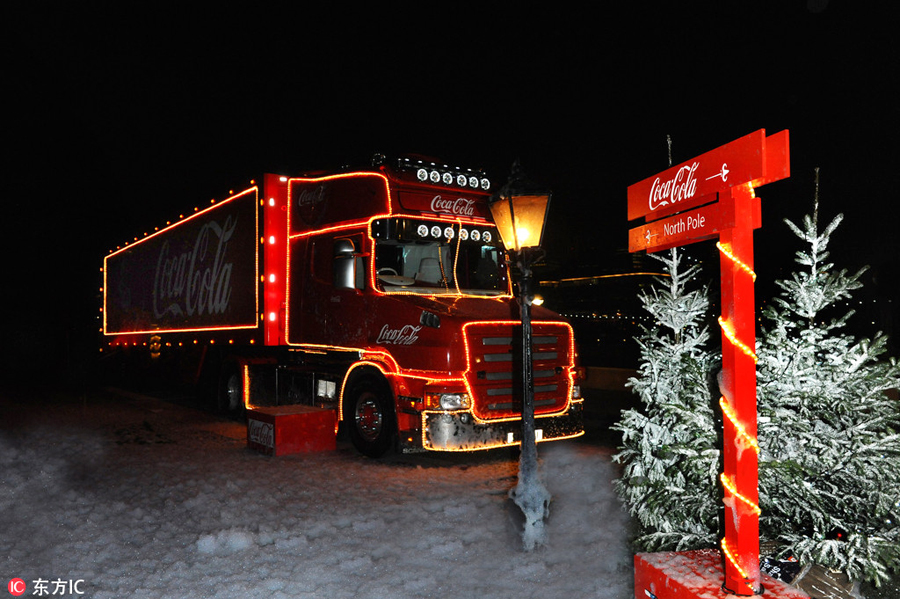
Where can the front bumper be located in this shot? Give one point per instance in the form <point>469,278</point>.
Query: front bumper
<point>460,431</point>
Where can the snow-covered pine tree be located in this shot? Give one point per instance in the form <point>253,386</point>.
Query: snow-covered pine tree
<point>669,448</point>
<point>830,450</point>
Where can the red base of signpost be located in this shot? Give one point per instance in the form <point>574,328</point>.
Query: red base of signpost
<point>694,575</point>
<point>283,430</point>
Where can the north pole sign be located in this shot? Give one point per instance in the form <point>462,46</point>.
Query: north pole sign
<point>753,159</point>
<point>696,224</point>
<point>712,197</point>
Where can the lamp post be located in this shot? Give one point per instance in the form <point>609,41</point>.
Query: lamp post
<point>520,210</point>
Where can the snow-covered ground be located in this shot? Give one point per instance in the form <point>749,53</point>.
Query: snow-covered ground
<point>137,497</point>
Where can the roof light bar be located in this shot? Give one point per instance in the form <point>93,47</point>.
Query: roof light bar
<point>447,175</point>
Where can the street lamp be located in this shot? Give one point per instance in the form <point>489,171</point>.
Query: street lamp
<point>520,209</point>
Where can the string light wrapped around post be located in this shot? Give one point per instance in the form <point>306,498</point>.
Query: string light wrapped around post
<point>740,544</point>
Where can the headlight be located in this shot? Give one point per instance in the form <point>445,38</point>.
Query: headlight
<point>454,401</point>
<point>447,401</point>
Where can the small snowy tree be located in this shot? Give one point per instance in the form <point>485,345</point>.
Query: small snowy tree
<point>830,450</point>
<point>670,449</point>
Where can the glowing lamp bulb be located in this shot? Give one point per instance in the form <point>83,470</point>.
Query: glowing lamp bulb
<point>523,234</point>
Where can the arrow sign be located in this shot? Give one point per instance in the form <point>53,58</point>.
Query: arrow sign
<point>695,225</point>
<point>687,227</point>
<point>695,182</point>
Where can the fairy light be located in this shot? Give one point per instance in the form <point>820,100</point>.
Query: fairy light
<point>729,333</point>
<point>740,264</point>
<point>456,259</point>
<point>734,562</point>
<point>729,484</point>
<point>245,385</point>
<point>247,327</point>
<point>741,430</point>
<point>107,329</point>
<point>728,412</point>
<point>732,417</point>
<point>540,327</point>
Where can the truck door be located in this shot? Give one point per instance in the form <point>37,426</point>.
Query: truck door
<point>347,312</point>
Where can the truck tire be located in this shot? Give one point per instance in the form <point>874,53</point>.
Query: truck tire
<point>231,392</point>
<point>369,415</point>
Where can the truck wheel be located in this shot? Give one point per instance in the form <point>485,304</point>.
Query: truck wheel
<point>369,414</point>
<point>231,392</point>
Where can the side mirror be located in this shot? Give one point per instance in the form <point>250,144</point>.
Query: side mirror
<point>347,265</point>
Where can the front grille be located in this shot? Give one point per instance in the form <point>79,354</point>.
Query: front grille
<point>494,375</point>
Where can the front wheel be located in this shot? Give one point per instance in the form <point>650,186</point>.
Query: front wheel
<point>369,415</point>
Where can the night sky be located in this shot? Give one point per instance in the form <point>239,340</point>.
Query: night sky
<point>125,115</point>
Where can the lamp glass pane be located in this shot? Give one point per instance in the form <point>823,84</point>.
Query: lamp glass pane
<point>502,218</point>
<point>530,214</point>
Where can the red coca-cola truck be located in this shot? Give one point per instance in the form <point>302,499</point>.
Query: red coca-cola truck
<point>382,294</point>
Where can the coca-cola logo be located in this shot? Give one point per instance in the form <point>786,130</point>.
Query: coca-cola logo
<point>261,433</point>
<point>680,187</point>
<point>457,207</point>
<point>311,197</point>
<point>405,335</point>
<point>311,204</point>
<point>197,281</point>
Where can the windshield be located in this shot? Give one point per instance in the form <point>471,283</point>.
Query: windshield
<point>426,258</point>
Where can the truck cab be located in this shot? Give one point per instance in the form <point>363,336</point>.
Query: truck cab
<point>419,287</point>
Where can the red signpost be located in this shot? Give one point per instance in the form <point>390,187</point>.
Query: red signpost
<point>706,197</point>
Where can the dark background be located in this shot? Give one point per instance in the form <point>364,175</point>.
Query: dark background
<point>125,115</point>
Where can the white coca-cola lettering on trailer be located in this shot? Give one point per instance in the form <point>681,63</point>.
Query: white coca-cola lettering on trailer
<point>457,207</point>
<point>197,281</point>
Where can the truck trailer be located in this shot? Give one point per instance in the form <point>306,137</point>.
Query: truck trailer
<point>382,294</point>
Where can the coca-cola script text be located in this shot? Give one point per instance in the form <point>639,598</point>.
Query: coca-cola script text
<point>682,186</point>
<point>458,207</point>
<point>405,335</point>
<point>197,281</point>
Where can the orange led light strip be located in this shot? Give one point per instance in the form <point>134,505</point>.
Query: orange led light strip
<point>730,414</point>
<point>729,333</point>
<point>729,484</point>
<point>734,562</point>
<point>732,417</point>
<point>493,445</point>
<point>130,246</point>
<point>742,265</point>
